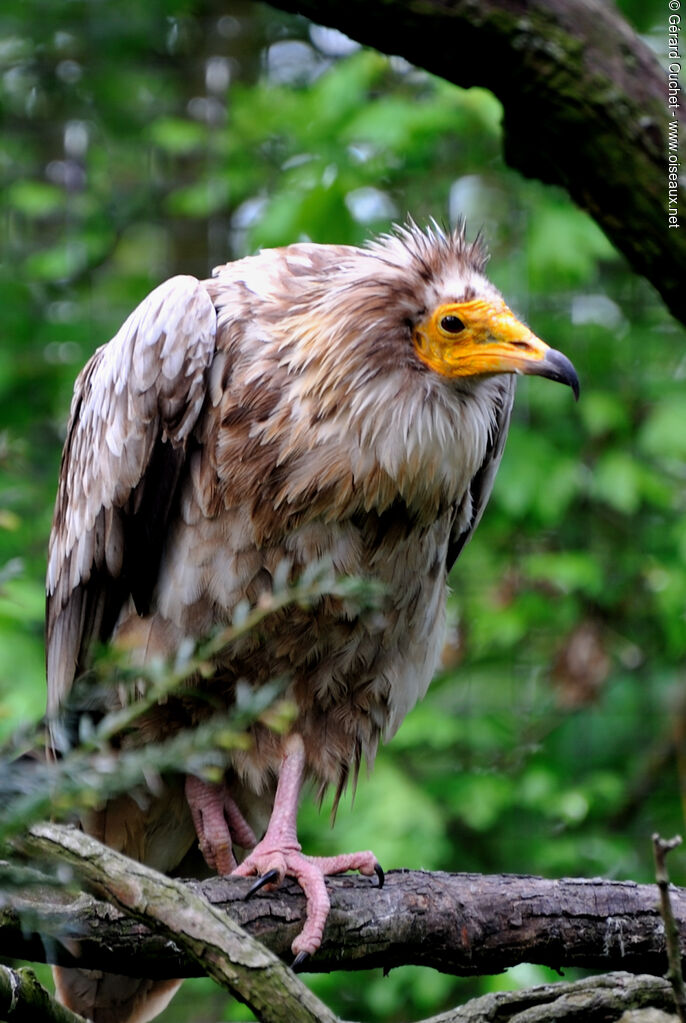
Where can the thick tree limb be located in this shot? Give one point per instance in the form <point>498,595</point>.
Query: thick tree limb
<point>463,924</point>
<point>585,103</point>
<point>227,953</point>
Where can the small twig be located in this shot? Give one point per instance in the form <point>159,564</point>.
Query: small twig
<point>24,1000</point>
<point>660,849</point>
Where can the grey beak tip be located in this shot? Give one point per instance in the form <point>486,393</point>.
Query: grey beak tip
<point>556,366</point>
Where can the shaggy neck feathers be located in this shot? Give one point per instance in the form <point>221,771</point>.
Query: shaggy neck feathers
<point>321,335</point>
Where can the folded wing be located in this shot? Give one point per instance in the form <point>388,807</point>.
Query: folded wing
<point>134,409</point>
<point>482,484</point>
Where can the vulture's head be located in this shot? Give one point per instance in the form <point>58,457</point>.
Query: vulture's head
<point>416,300</point>
<point>460,326</point>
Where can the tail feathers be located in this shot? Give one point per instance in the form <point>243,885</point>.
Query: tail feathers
<point>112,997</point>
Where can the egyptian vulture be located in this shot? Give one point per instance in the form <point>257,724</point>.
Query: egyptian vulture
<point>310,402</point>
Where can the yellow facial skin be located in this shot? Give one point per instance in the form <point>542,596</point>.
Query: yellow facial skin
<point>465,339</point>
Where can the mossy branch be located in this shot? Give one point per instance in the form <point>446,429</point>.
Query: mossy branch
<point>24,1000</point>
<point>226,952</point>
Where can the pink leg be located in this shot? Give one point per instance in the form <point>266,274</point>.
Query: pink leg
<point>279,853</point>
<point>218,823</point>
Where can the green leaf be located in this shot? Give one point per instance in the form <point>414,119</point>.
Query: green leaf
<point>201,199</point>
<point>603,412</point>
<point>35,198</point>
<point>564,246</point>
<point>478,800</point>
<point>535,477</point>
<point>569,570</point>
<point>178,136</point>
<point>617,480</point>
<point>663,434</point>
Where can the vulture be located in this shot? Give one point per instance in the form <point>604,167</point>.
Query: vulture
<point>308,403</point>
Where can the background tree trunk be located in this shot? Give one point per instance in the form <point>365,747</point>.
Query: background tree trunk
<point>584,99</point>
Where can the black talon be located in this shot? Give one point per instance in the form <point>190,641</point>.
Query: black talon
<point>301,958</point>
<point>268,878</point>
<point>378,870</point>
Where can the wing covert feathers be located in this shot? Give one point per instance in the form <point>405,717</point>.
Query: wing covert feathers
<point>482,482</point>
<point>135,404</point>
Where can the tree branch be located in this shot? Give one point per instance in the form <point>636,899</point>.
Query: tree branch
<point>463,924</point>
<point>24,1000</point>
<point>661,847</point>
<point>594,1000</point>
<point>584,98</point>
<point>226,952</point>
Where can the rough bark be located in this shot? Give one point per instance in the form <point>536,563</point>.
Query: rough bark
<point>615,996</point>
<point>225,952</point>
<point>584,98</point>
<point>462,924</point>
<point>24,1000</point>
<point>595,1000</point>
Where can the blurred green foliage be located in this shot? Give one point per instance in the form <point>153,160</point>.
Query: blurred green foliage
<point>143,140</point>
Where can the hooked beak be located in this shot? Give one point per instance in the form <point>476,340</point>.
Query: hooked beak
<point>520,351</point>
<point>556,366</point>
<point>484,337</point>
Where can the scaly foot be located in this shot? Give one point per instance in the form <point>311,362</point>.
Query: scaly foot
<point>279,854</point>
<point>273,862</point>
<point>219,824</point>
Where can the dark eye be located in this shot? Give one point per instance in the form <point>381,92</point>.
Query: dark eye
<point>452,324</point>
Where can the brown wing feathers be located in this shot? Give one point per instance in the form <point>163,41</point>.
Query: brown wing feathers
<point>482,483</point>
<point>134,406</point>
